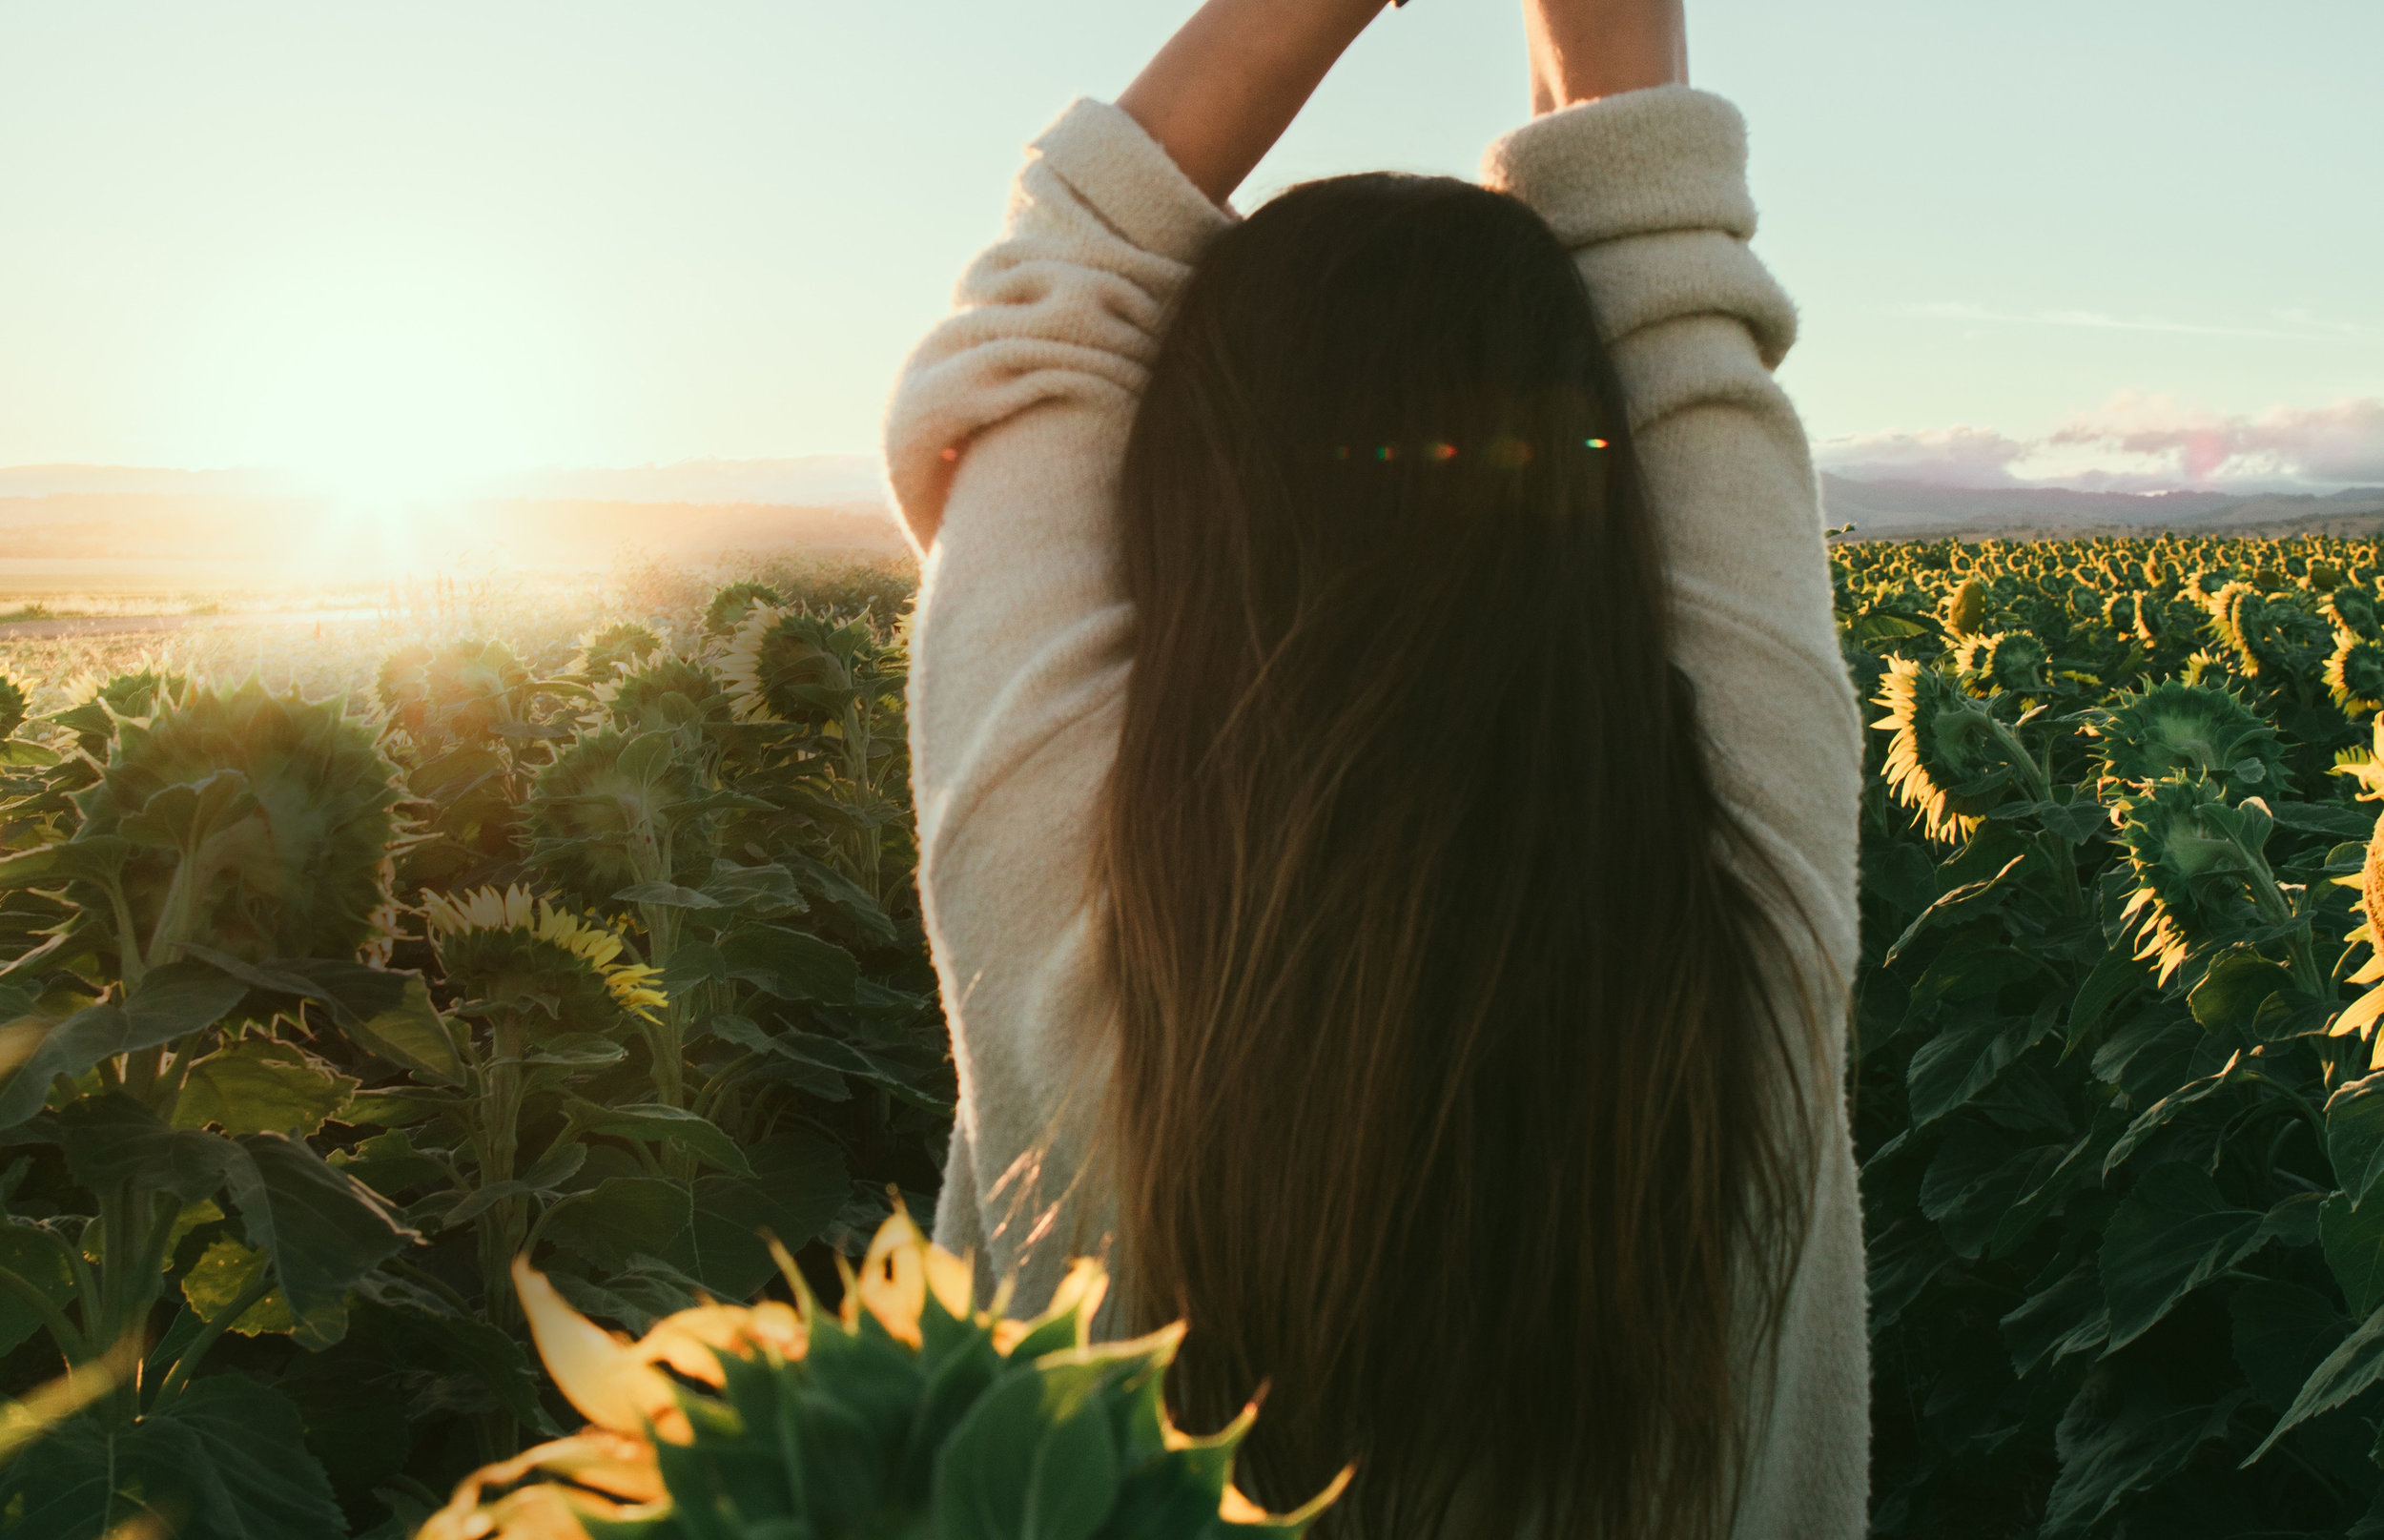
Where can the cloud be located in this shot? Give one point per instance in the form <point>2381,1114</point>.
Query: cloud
<point>1942,457</point>
<point>2341,444</point>
<point>2137,443</point>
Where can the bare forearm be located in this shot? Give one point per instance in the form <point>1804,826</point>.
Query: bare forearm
<point>1222,91</point>
<point>1582,50</point>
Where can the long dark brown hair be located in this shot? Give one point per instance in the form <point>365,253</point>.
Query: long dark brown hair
<point>1450,1104</point>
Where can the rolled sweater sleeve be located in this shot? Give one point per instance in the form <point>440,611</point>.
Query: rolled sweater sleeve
<point>1649,189</point>
<point>1005,439</point>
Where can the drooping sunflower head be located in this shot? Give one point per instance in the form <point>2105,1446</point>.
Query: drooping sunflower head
<point>510,946</point>
<point>2188,870</point>
<point>1946,761</point>
<point>2354,673</point>
<point>612,651</point>
<point>455,692</point>
<point>2352,608</point>
<point>614,809</point>
<point>2175,727</point>
<point>1965,607</point>
<point>2322,576</point>
<point>782,665</point>
<point>261,823</point>
<point>666,692</point>
<point>2273,636</point>
<point>729,606</point>
<point>14,704</point>
<point>2014,660</point>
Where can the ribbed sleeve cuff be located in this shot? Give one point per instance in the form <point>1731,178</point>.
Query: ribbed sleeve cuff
<point>1123,176</point>
<point>1669,158</point>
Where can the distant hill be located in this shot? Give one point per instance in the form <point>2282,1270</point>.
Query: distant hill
<point>1915,510</point>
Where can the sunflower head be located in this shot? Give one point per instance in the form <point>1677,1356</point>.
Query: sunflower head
<point>770,1419</point>
<point>454,693</point>
<point>513,947</point>
<point>100,706</point>
<point>1965,607</point>
<point>259,823</point>
<point>2354,673</point>
<point>2273,638</point>
<point>727,608</point>
<point>615,810</point>
<point>1946,761</point>
<point>2351,608</point>
<point>2188,871</point>
<point>2014,660</point>
<point>665,692</point>
<point>612,651</point>
<point>787,667</point>
<point>2175,727</point>
<point>2322,576</point>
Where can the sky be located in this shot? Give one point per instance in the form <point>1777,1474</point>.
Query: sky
<point>2129,242</point>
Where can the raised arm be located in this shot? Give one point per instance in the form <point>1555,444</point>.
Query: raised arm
<point>1583,50</point>
<point>1222,91</point>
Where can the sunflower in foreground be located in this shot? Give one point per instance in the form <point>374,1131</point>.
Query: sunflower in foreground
<point>782,665</point>
<point>510,946</point>
<point>909,1412</point>
<point>2354,674</point>
<point>2189,869</point>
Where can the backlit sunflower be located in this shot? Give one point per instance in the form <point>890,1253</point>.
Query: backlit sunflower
<point>2188,870</point>
<point>1945,762</point>
<point>782,666</point>
<point>2354,674</point>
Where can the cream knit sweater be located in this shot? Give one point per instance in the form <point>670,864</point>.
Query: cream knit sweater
<point>1009,427</point>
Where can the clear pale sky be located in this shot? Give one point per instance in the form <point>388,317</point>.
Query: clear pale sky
<point>507,234</point>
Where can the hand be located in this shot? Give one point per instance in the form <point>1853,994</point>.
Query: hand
<point>1582,50</point>
<point>1222,91</point>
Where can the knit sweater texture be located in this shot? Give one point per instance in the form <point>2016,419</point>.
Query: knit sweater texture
<point>1005,438</point>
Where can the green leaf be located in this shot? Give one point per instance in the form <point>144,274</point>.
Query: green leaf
<point>982,1470</point>
<point>620,1217</point>
<point>1071,1479</point>
<point>411,1035</point>
<point>2171,1235</point>
<point>2064,1317</point>
<point>2323,818</point>
<point>227,1458</point>
<point>2115,1440</point>
<point>789,964</point>
<point>2353,1238</point>
<point>2231,994</point>
<point>2157,1115</point>
<point>182,816</point>
<point>656,1122</point>
<point>666,894</point>
<point>98,858</point>
<point>110,1140</point>
<point>260,1085</point>
<point>31,1255</point>
<point>2282,1333</point>
<point>2346,1372</point>
<point>2115,979</point>
<point>2354,1134</point>
<point>1961,1062</point>
<point>178,998</point>
<point>389,1163</point>
<point>1959,902</point>
<point>223,1272</point>
<point>323,1230</point>
<point>798,1186</point>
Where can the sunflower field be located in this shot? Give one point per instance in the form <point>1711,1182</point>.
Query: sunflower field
<point>317,1012</point>
<point>334,1027</point>
<point>2120,1104</point>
